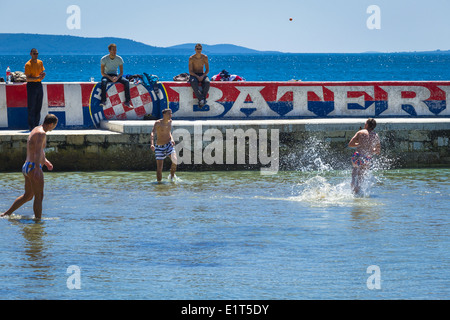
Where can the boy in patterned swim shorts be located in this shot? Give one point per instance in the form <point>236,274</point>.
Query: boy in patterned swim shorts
<point>367,143</point>
<point>164,144</point>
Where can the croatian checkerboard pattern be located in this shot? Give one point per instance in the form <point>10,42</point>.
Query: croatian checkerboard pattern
<point>141,102</point>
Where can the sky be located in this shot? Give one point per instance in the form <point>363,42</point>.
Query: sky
<point>296,26</point>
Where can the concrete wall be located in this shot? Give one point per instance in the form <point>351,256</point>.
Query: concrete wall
<point>301,145</point>
<point>77,105</point>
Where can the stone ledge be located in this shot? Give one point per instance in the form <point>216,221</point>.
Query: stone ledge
<point>405,142</point>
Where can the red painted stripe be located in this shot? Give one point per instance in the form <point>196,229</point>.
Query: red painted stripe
<point>55,95</point>
<point>16,96</point>
<point>86,90</point>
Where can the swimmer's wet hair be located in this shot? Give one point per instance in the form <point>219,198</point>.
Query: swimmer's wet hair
<point>371,124</point>
<point>166,110</point>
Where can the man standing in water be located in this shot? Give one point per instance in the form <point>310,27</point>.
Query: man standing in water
<point>367,143</point>
<point>197,62</point>
<point>32,168</point>
<point>164,144</point>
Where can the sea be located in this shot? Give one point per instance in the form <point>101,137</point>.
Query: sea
<point>281,67</point>
<point>228,235</point>
<point>300,234</point>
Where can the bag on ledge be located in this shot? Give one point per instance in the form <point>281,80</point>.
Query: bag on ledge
<point>181,77</point>
<point>18,76</point>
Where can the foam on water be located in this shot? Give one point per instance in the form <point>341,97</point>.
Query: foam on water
<point>27,218</point>
<point>175,179</point>
<point>320,192</point>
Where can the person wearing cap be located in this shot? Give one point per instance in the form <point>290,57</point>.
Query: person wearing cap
<point>198,74</point>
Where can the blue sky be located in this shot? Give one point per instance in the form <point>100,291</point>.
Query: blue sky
<point>316,26</point>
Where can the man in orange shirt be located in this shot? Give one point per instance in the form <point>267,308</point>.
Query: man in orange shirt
<point>34,70</point>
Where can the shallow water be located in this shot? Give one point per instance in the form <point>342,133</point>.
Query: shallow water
<point>228,235</point>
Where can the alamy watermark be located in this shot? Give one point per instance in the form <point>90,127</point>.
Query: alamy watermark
<point>74,20</point>
<point>374,20</point>
<point>74,280</point>
<point>374,280</point>
<point>234,146</point>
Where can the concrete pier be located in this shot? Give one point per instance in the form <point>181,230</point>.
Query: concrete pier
<point>218,144</point>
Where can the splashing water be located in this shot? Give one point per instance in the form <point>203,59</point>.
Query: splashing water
<point>320,188</point>
<point>27,218</point>
<point>319,192</point>
<point>174,179</point>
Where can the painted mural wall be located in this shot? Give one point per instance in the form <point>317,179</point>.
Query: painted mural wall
<point>77,105</point>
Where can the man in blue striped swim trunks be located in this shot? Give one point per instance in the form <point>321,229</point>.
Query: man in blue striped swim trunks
<point>164,144</point>
<point>32,168</point>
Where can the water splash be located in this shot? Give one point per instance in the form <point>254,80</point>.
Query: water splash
<point>174,179</point>
<point>313,154</point>
<point>318,191</point>
<point>27,218</point>
<point>329,176</point>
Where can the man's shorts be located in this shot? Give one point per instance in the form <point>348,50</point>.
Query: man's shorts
<point>28,167</point>
<point>358,160</point>
<point>161,152</point>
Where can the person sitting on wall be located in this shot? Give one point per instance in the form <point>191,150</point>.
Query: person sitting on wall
<point>197,62</point>
<point>109,65</point>
<point>224,75</point>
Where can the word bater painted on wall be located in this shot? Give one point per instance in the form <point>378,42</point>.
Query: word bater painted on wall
<point>77,104</point>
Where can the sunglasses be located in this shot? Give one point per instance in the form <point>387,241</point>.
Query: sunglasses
<point>35,53</point>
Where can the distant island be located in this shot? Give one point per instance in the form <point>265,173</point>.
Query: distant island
<point>21,43</point>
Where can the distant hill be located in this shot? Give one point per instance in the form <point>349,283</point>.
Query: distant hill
<point>21,43</point>
<point>220,49</point>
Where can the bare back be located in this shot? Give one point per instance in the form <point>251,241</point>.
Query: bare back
<point>36,145</point>
<point>367,143</point>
